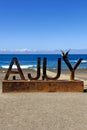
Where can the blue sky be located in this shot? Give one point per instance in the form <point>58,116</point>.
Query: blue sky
<point>43,24</point>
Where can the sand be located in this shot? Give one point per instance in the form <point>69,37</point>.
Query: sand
<point>44,111</point>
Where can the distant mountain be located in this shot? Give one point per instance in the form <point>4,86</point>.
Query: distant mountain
<point>56,51</point>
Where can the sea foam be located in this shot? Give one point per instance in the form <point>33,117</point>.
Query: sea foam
<point>15,67</point>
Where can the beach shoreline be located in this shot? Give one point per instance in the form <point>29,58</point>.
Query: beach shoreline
<point>80,74</point>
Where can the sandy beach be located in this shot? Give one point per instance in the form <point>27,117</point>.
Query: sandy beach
<point>44,111</point>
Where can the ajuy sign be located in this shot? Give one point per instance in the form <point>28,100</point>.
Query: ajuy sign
<point>44,75</point>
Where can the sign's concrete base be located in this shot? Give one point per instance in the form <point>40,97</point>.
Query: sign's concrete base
<point>42,86</point>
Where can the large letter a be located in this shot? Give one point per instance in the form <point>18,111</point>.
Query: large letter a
<point>9,71</point>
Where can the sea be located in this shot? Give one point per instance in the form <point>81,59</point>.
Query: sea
<point>30,60</point>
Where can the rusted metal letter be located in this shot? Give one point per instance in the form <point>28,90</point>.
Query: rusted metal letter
<point>58,70</point>
<point>9,71</point>
<point>44,68</point>
<point>72,69</point>
<point>38,71</point>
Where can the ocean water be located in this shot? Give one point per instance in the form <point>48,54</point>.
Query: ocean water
<point>30,60</point>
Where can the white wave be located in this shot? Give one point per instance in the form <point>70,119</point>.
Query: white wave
<point>84,61</point>
<point>15,67</point>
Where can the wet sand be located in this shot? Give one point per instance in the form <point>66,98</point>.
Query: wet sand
<point>44,111</point>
